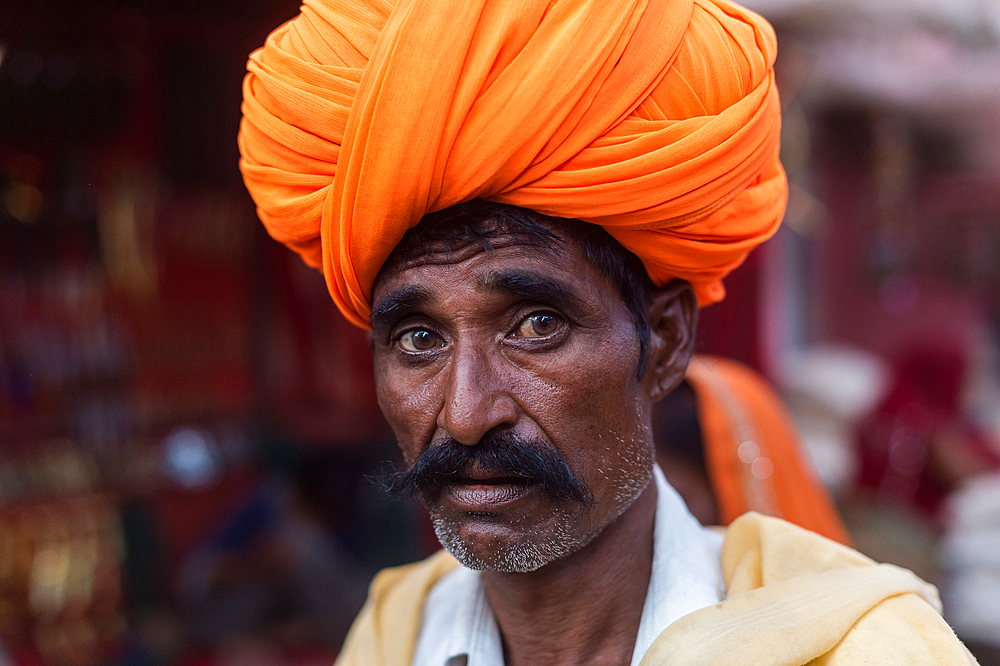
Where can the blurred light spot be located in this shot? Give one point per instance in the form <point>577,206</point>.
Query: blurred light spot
<point>748,451</point>
<point>762,468</point>
<point>795,140</point>
<point>805,214</point>
<point>50,567</point>
<point>190,457</point>
<point>23,202</point>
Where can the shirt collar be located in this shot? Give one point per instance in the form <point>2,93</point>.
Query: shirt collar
<point>687,567</point>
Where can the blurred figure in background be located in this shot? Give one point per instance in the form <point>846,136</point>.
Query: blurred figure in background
<point>727,444</point>
<point>275,572</point>
<point>919,445</point>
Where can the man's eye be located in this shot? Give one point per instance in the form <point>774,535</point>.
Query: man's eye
<point>419,340</point>
<point>538,325</point>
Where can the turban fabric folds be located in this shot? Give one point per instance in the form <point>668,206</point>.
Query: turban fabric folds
<point>656,119</point>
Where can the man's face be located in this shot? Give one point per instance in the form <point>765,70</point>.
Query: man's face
<point>531,344</point>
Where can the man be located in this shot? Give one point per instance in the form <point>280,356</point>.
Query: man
<point>526,201</point>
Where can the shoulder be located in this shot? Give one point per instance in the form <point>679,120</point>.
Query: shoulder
<point>759,550</point>
<point>386,630</point>
<point>794,597</point>
<point>872,609</point>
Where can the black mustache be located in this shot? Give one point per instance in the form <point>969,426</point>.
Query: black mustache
<point>502,453</point>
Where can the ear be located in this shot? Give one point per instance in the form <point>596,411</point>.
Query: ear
<point>673,320</point>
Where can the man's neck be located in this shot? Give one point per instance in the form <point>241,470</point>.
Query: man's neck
<point>585,608</point>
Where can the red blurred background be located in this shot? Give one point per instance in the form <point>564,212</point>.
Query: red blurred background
<point>186,422</point>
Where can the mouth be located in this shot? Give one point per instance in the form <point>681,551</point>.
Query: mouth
<point>474,479</point>
<point>487,494</point>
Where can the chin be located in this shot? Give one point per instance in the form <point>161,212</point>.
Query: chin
<point>485,547</point>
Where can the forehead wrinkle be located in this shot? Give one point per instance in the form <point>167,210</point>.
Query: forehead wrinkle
<point>529,285</point>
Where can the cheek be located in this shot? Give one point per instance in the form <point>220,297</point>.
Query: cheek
<point>619,441</point>
<point>408,402</point>
<point>604,386</point>
<point>591,407</point>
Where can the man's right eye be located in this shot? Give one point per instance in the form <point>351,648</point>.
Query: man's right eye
<point>419,340</point>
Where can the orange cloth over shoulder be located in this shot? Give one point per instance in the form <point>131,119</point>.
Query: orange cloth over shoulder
<point>752,450</point>
<point>656,119</point>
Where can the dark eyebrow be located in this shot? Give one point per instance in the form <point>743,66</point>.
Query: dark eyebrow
<point>530,286</point>
<point>395,303</point>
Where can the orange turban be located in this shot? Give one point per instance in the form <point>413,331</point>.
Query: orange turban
<point>656,119</point>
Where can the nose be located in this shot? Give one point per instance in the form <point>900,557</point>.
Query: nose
<point>477,397</point>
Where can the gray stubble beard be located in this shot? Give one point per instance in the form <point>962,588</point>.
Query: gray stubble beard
<point>525,555</point>
<point>529,554</point>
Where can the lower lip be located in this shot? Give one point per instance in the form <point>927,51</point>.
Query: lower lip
<point>485,498</point>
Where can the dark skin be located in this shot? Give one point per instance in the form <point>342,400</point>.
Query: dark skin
<point>537,341</point>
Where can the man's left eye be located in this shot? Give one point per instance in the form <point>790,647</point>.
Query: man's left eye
<point>538,325</point>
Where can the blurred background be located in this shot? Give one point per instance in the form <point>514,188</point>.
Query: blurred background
<point>186,423</point>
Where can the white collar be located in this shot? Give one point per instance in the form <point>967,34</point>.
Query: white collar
<point>459,628</point>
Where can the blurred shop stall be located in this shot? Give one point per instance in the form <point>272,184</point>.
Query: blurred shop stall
<point>880,310</point>
<point>185,421</point>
